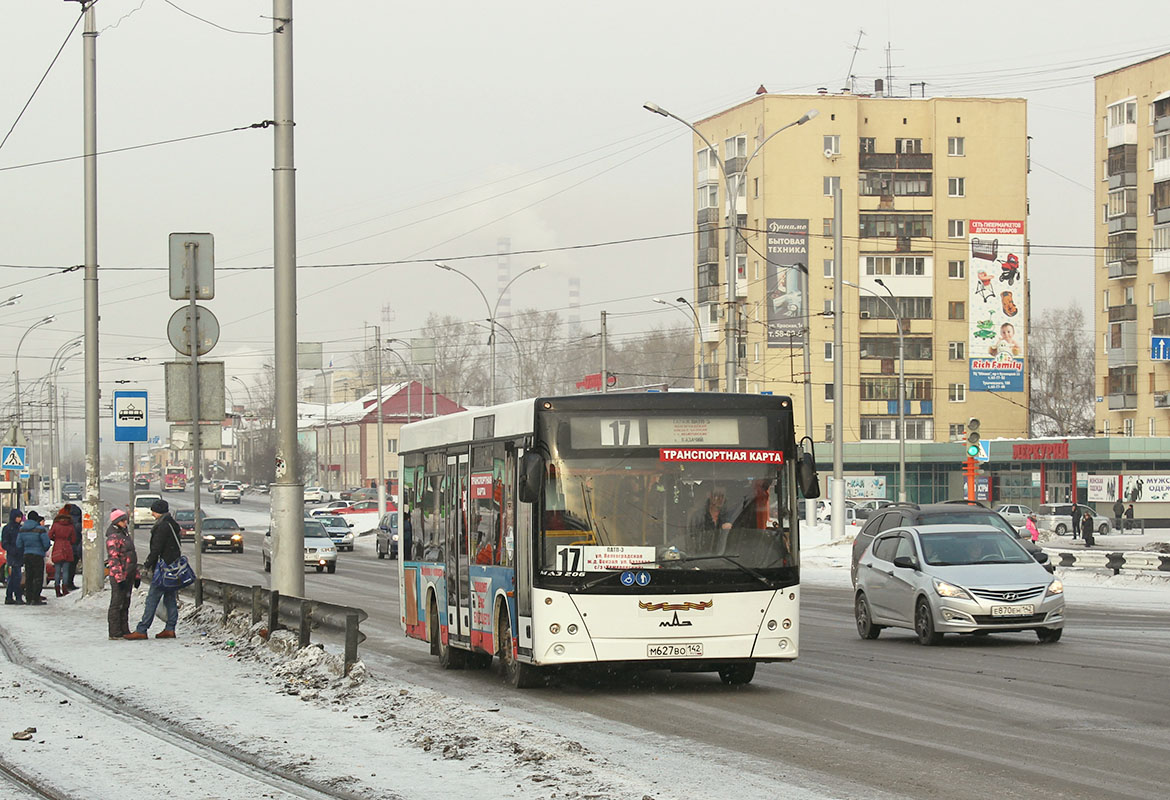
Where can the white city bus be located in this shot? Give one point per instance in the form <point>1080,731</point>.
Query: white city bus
<point>655,529</point>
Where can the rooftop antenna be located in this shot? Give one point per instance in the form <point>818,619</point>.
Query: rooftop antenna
<point>856,47</point>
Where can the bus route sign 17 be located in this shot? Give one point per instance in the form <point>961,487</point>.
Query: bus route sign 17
<point>130,417</point>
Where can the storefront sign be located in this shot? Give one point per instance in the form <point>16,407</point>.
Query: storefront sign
<point>996,301</point>
<point>1146,489</point>
<point>1042,451</point>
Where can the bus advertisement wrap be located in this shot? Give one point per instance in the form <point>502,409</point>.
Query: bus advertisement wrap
<point>995,305</point>
<point>787,243</point>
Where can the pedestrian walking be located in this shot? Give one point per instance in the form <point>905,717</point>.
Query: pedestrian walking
<point>1033,531</point>
<point>1087,529</point>
<point>75,512</point>
<point>61,535</point>
<point>1118,513</point>
<point>1076,520</point>
<point>122,562</point>
<point>1129,517</point>
<point>164,545</point>
<point>34,541</point>
<point>15,556</point>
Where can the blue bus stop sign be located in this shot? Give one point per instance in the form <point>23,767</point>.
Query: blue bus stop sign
<point>130,417</point>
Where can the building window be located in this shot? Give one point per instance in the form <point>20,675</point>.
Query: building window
<point>755,187</point>
<point>1105,427</point>
<point>1161,240</point>
<point>896,225</point>
<point>957,392</point>
<point>1124,113</point>
<point>1162,147</point>
<point>906,307</point>
<point>1127,427</point>
<point>956,351</point>
<point>827,226</point>
<point>1153,427</point>
<point>955,431</point>
<point>832,145</point>
<point>831,184</point>
<point>908,145</point>
<point>899,184</point>
<point>828,308</point>
<point>828,351</point>
<point>828,267</point>
<point>909,265</point>
<point>709,196</point>
<point>878,265</point>
<point>957,269</point>
<point>956,309</point>
<point>956,228</point>
<point>829,392</point>
<point>956,187</point>
<point>955,146</point>
<point>736,147</point>
<point>867,144</point>
<point>756,352</point>
<point>392,445</point>
<point>886,388</point>
<point>917,348</point>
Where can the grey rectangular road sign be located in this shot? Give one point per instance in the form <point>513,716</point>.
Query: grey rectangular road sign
<point>203,254</point>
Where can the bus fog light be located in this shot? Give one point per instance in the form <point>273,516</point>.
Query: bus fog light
<point>786,624</point>
<point>559,649</point>
<point>554,628</point>
<point>771,624</point>
<point>783,644</point>
<point>572,629</point>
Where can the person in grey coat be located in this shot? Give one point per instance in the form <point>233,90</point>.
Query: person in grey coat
<point>1118,512</point>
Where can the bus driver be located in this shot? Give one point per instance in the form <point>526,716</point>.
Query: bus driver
<point>710,526</point>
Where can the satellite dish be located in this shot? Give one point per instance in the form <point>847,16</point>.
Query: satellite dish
<point>829,153</point>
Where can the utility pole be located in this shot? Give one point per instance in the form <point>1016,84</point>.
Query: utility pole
<point>837,495</point>
<point>810,508</point>
<point>288,496</point>
<point>604,347</point>
<point>381,435</point>
<point>93,578</point>
<point>189,250</point>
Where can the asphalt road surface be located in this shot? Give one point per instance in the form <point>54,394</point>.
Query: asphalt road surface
<point>997,716</point>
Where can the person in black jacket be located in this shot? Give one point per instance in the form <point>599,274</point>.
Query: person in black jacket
<point>164,545</point>
<point>1087,529</point>
<point>14,556</point>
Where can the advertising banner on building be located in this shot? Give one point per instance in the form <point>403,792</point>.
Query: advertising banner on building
<point>1103,488</point>
<point>787,242</point>
<point>995,305</point>
<point>867,487</point>
<point>1146,489</point>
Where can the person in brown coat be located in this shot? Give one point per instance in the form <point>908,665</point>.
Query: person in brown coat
<point>61,534</point>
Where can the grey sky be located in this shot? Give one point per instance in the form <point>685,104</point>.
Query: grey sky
<point>411,117</point>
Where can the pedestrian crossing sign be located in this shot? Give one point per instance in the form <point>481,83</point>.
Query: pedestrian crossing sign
<point>12,458</point>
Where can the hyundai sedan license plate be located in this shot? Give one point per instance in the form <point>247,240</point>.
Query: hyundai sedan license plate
<point>683,650</point>
<point>1013,611</point>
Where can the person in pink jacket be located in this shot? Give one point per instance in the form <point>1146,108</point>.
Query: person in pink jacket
<point>122,561</point>
<point>61,535</point>
<point>1033,531</point>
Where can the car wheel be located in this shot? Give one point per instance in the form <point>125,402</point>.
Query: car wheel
<point>267,565</point>
<point>516,674</point>
<point>240,549</point>
<point>1049,635</point>
<point>1103,530</point>
<point>1061,530</point>
<point>865,627</point>
<point>737,674</point>
<point>203,549</point>
<point>332,568</point>
<point>924,625</point>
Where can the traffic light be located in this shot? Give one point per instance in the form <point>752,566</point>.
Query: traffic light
<point>972,437</point>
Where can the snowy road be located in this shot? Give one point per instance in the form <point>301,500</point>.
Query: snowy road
<point>999,716</point>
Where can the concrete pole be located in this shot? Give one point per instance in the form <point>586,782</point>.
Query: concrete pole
<point>837,495</point>
<point>130,502</point>
<point>288,492</point>
<point>810,508</point>
<point>93,566</point>
<point>190,250</point>
<point>604,347</point>
<point>328,433</point>
<point>381,435</point>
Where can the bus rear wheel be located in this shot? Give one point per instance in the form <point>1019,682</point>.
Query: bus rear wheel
<point>516,674</point>
<point>737,674</point>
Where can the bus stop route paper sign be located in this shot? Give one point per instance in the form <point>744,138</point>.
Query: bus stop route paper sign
<point>594,558</point>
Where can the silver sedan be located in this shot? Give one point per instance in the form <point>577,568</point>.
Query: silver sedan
<point>937,579</point>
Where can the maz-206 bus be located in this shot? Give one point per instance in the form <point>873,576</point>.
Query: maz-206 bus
<point>656,530</point>
<point>174,479</point>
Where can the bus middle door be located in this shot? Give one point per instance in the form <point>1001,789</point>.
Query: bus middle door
<point>457,559</point>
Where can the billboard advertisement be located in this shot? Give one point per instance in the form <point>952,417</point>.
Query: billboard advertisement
<point>995,303</point>
<point>865,487</point>
<point>1103,488</point>
<point>1146,489</point>
<point>787,242</point>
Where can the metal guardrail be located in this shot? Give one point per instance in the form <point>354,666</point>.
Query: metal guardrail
<point>1116,561</point>
<point>287,613</point>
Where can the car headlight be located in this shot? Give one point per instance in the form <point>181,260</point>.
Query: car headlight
<point>394,538</point>
<point>236,537</point>
<point>208,537</point>
<point>1056,587</point>
<point>944,589</point>
<point>328,550</point>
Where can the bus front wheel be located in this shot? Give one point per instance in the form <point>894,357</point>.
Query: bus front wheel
<point>449,657</point>
<point>516,673</point>
<point>737,674</point>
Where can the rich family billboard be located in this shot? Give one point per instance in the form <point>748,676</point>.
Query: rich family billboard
<point>995,305</point>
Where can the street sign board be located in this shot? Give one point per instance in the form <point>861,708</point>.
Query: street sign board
<point>1160,348</point>
<point>24,476</point>
<point>983,456</point>
<point>206,330</point>
<point>12,457</point>
<point>202,258</point>
<point>210,436</point>
<point>130,416</point>
<point>309,355</point>
<point>211,391</point>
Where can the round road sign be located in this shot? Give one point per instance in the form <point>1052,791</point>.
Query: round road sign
<point>206,330</point>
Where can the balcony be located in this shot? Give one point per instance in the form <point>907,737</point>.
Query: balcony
<point>1123,269</point>
<point>1124,223</point>
<point>1122,313</point>
<point>707,255</point>
<point>1122,179</point>
<point>1120,402</point>
<point>1161,308</point>
<point>1162,124</point>
<point>1161,399</point>
<point>896,161</point>
<point>707,216</point>
<point>735,165</point>
<point>1161,216</point>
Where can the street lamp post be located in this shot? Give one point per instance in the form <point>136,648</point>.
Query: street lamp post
<point>16,361</point>
<point>56,365</point>
<point>492,312</point>
<point>901,383</point>
<point>519,356</point>
<point>694,319</point>
<point>732,189</point>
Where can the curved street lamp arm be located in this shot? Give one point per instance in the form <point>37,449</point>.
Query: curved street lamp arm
<point>470,280</point>
<point>508,285</point>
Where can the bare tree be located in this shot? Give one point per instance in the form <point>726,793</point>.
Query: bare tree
<point>661,355</point>
<point>1061,363</point>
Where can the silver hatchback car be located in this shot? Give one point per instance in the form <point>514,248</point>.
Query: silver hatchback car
<point>936,579</point>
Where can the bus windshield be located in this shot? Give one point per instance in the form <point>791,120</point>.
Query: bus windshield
<point>602,515</point>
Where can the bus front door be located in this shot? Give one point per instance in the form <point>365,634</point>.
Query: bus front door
<point>457,572</point>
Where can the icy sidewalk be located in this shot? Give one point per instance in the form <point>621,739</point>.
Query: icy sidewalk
<point>365,735</point>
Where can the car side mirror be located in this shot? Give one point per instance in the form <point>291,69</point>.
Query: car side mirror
<point>905,562</point>
<point>350,524</point>
<point>1041,557</point>
<point>531,477</point>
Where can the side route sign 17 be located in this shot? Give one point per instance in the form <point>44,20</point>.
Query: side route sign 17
<point>130,417</point>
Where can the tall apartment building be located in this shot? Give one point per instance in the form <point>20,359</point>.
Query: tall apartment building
<point>935,210</point>
<point>1133,249</point>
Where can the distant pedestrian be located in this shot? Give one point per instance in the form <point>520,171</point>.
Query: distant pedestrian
<point>34,541</point>
<point>164,546</point>
<point>1033,531</point>
<point>15,556</point>
<point>1129,517</point>
<point>1087,529</point>
<point>61,535</point>
<point>1118,513</point>
<point>122,561</point>
<point>75,512</point>
<point>1076,520</point>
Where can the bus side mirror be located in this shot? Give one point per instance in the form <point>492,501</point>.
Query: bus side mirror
<point>806,472</point>
<point>531,477</point>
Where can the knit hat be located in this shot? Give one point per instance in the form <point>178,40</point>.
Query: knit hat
<point>116,515</point>
<point>35,517</point>
<point>160,506</point>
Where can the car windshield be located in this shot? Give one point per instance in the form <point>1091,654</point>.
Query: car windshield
<point>973,517</point>
<point>144,500</point>
<point>971,547</point>
<point>73,486</point>
<point>315,530</point>
<point>220,524</point>
<point>332,522</point>
<point>186,515</point>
